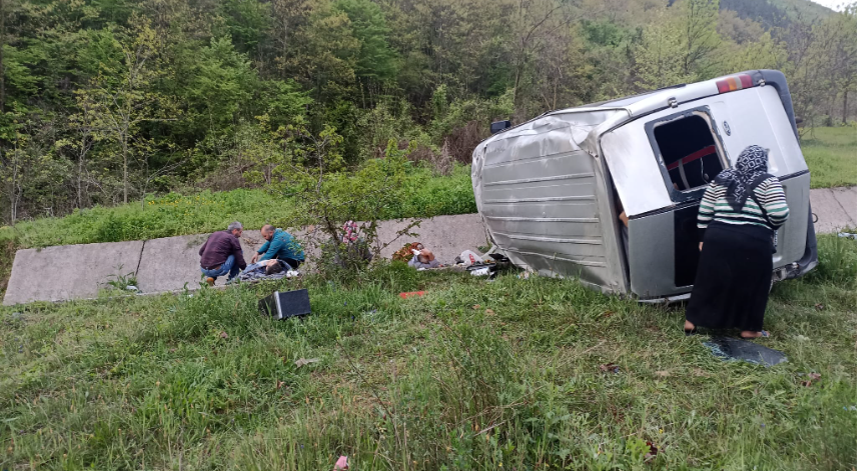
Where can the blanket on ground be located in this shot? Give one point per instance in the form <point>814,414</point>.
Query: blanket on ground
<point>256,272</point>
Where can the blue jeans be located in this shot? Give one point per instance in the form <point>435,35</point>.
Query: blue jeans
<point>229,266</point>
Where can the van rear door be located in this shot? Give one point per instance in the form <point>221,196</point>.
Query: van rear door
<point>661,165</point>
<point>756,116</point>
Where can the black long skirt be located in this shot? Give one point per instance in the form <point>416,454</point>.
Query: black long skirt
<point>734,278</point>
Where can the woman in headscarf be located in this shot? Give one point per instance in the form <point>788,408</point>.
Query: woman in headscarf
<point>738,219</point>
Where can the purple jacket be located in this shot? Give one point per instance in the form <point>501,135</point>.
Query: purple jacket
<point>218,248</point>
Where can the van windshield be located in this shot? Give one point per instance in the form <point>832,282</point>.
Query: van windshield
<point>690,155</point>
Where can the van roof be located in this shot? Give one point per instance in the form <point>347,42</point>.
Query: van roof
<point>648,102</point>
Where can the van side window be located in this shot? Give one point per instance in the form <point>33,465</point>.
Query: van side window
<point>689,152</point>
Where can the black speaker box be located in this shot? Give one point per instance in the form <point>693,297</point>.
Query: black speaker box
<point>285,305</point>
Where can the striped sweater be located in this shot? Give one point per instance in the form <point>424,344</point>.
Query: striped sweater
<point>769,193</point>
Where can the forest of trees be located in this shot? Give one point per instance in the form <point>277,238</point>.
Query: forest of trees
<point>105,101</point>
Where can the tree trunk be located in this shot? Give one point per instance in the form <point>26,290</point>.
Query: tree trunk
<point>2,43</point>
<point>125,170</point>
<point>845,106</point>
<point>79,178</point>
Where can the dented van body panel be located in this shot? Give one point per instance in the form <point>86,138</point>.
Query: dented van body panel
<point>549,190</point>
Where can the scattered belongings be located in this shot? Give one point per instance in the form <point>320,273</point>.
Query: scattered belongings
<point>478,265</point>
<point>286,305</point>
<point>412,294</point>
<point>848,235</point>
<point>469,257</point>
<point>272,269</point>
<point>732,349</point>
<point>305,361</point>
<point>406,253</point>
<point>810,377</point>
<point>341,464</point>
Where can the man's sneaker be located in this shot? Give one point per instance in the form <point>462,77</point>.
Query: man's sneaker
<point>210,281</point>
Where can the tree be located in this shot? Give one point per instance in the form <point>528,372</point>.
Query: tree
<point>117,102</point>
<point>660,56</point>
<point>376,62</point>
<point>844,55</point>
<point>310,169</point>
<point>678,45</point>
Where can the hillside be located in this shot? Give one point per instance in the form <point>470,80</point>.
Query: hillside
<point>111,102</point>
<point>803,7</point>
<point>776,13</point>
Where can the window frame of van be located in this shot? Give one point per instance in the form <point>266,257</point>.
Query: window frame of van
<point>704,112</point>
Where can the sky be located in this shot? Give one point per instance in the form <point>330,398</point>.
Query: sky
<point>831,3</point>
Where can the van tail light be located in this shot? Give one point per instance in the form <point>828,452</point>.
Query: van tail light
<point>737,82</point>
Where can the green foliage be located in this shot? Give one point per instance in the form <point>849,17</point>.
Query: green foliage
<point>677,47</point>
<point>474,375</point>
<point>429,197</point>
<point>175,214</point>
<point>106,101</point>
<point>376,61</point>
<point>311,172</point>
<point>122,282</point>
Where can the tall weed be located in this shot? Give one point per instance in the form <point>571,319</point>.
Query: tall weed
<point>837,261</point>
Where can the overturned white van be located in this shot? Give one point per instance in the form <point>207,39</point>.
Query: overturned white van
<point>549,190</point>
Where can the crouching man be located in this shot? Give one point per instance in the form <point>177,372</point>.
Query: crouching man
<point>280,245</point>
<point>221,254</point>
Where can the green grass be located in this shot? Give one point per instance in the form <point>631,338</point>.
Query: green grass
<point>472,376</point>
<point>831,154</point>
<point>176,214</point>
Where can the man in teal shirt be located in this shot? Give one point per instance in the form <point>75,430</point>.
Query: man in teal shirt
<point>280,245</point>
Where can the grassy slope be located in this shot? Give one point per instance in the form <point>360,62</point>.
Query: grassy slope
<point>831,154</point>
<point>473,375</point>
<point>175,214</point>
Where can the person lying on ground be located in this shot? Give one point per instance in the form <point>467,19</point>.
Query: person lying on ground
<point>406,253</point>
<point>221,254</point>
<point>425,259</point>
<point>280,245</point>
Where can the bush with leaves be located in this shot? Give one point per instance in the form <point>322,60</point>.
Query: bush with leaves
<point>310,170</point>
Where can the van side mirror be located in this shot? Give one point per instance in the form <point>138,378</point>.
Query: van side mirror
<point>498,126</point>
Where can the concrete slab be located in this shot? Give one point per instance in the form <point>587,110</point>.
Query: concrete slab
<point>847,197</point>
<point>168,264</point>
<point>69,272</point>
<point>832,216</point>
